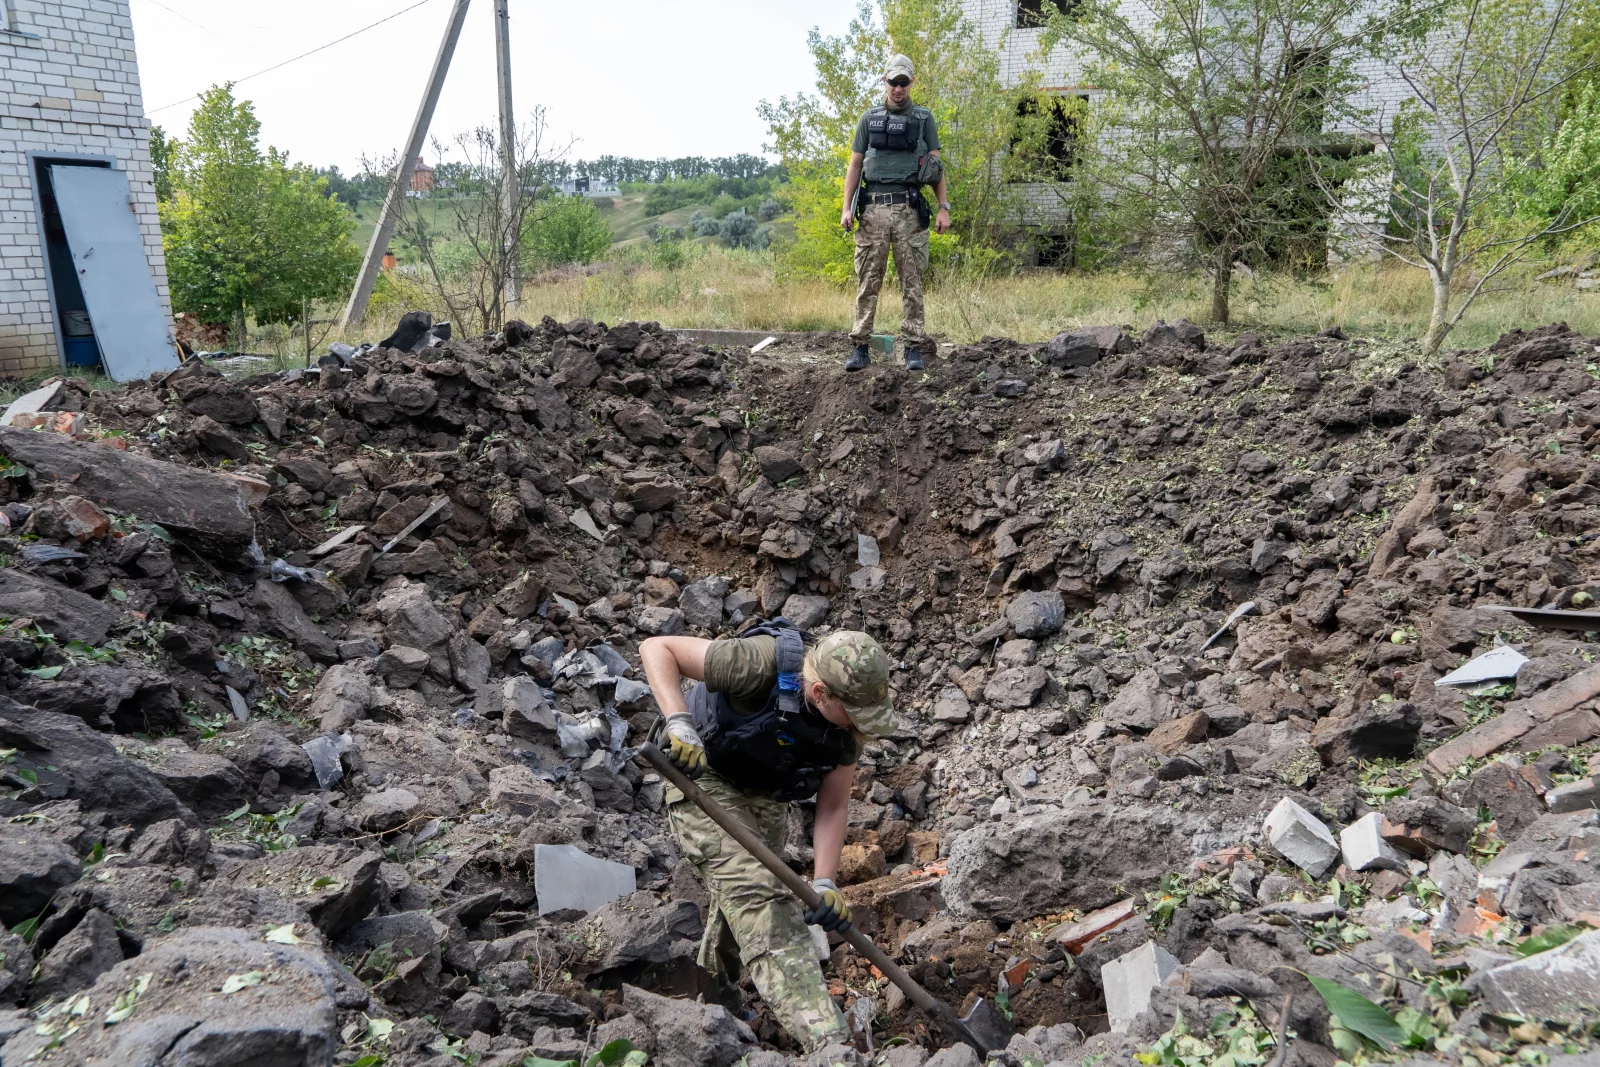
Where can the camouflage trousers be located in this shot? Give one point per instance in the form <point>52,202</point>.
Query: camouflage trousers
<point>884,227</point>
<point>753,920</point>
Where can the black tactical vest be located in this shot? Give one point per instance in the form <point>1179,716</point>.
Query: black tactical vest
<point>894,144</point>
<point>785,749</point>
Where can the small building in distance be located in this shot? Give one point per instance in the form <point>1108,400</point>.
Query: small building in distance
<point>421,180</point>
<point>583,185</point>
<point>75,177</point>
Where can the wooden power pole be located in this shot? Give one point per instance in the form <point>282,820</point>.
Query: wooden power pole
<point>356,309</point>
<point>510,182</point>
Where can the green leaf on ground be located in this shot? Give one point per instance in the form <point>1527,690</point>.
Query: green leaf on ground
<point>284,935</point>
<point>235,982</point>
<point>1554,937</point>
<point>612,1053</point>
<point>123,1006</point>
<point>45,673</point>
<point>1358,1014</point>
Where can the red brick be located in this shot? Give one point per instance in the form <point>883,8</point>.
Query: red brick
<point>1480,741</point>
<point>1563,696</point>
<point>1573,728</point>
<point>1075,935</point>
<point>1170,737</point>
<point>84,521</point>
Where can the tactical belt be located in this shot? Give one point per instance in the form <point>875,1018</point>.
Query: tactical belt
<point>888,198</point>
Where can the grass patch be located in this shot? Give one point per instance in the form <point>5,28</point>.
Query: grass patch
<point>721,287</point>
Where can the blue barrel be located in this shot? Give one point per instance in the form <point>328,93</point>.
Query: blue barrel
<point>81,351</point>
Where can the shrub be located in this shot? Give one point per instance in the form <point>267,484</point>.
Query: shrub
<point>770,209</point>
<point>564,230</point>
<point>703,225</point>
<point>738,230</point>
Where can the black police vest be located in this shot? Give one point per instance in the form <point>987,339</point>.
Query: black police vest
<point>894,145</point>
<point>893,131</point>
<point>785,749</point>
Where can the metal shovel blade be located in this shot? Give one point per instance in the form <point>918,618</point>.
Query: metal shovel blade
<point>984,1022</point>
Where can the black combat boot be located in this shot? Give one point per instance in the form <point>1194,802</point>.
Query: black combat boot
<point>859,358</point>
<point>914,359</point>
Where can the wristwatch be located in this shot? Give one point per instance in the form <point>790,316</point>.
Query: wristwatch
<point>944,205</point>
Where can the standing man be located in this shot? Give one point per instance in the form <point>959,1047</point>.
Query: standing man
<point>896,147</point>
<point>770,722</point>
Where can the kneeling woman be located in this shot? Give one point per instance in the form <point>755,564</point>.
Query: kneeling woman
<point>768,722</point>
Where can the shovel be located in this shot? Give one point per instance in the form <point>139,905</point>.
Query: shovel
<point>984,1028</point>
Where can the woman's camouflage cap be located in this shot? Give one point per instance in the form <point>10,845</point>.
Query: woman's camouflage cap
<point>855,668</point>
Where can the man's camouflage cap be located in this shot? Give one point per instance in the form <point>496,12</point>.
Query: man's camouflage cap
<point>855,668</point>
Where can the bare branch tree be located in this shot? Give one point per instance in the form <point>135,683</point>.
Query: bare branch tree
<point>468,231</point>
<point>1480,87</point>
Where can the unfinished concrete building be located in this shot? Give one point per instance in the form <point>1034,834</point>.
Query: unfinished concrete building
<point>1015,28</point>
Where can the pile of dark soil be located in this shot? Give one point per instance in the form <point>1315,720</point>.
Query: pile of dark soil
<point>304,673</point>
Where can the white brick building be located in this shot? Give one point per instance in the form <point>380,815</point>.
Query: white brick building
<point>1014,27</point>
<point>69,95</point>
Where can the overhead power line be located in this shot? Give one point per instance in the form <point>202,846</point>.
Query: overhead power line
<point>192,22</point>
<point>302,55</point>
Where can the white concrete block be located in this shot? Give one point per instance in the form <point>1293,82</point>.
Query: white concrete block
<point>1365,849</point>
<point>1129,979</point>
<point>1301,838</point>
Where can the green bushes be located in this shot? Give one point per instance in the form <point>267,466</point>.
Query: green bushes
<point>565,230</point>
<point>724,195</point>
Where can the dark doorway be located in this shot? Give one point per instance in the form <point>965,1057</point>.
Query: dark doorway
<point>78,345</point>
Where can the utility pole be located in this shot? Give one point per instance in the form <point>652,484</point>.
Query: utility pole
<point>510,191</point>
<point>357,307</point>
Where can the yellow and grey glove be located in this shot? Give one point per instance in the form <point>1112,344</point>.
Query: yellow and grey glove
<point>684,746</point>
<point>833,914</point>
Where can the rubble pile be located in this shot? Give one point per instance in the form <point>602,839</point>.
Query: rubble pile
<point>318,692</point>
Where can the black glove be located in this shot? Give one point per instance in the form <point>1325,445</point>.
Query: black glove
<point>831,913</point>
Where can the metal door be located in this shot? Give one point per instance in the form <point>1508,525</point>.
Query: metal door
<point>109,255</point>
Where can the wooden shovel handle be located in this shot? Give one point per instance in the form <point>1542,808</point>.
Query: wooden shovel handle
<point>801,888</point>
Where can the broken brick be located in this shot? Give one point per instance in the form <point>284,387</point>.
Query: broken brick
<point>1073,936</point>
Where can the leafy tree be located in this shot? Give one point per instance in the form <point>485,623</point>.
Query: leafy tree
<point>1210,145</point>
<point>1564,182</point>
<point>1463,198</point>
<point>246,234</point>
<point>568,229</point>
<point>355,188</point>
<point>958,79</point>
<point>161,163</point>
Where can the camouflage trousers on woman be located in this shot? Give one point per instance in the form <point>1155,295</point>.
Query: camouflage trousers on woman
<point>753,920</point>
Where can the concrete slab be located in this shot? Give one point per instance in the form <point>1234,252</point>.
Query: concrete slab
<point>567,879</point>
<point>1129,979</point>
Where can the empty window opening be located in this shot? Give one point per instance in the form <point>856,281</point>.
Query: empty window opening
<point>1033,13</point>
<point>1049,154</point>
<point>1055,251</point>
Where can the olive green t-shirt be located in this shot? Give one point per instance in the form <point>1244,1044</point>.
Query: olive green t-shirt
<point>746,669</point>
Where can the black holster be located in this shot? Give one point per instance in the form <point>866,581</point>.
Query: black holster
<point>924,210</point>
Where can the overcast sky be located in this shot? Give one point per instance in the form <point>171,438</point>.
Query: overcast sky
<point>625,77</point>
